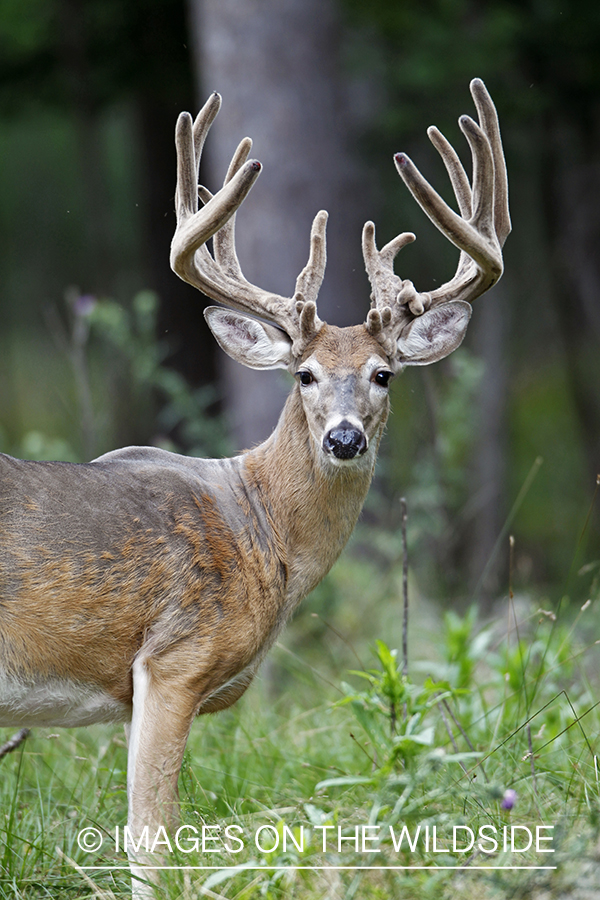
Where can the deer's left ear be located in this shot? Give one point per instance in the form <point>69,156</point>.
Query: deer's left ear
<point>255,344</point>
<point>435,334</point>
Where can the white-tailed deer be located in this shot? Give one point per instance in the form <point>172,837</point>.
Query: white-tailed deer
<point>146,587</point>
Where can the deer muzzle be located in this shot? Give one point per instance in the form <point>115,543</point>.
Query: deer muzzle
<point>345,441</point>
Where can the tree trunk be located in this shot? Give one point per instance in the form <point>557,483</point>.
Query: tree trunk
<point>276,63</point>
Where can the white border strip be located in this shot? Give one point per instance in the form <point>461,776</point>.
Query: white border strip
<point>235,870</point>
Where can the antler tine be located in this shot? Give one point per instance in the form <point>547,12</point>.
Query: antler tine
<point>390,294</point>
<point>220,276</point>
<point>310,279</point>
<point>202,123</point>
<point>195,226</point>
<point>455,169</point>
<point>308,283</point>
<point>224,239</point>
<point>488,117</point>
<point>189,138</point>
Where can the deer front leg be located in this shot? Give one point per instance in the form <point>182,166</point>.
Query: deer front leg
<point>163,711</point>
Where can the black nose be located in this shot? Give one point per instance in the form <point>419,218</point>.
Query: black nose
<point>345,441</point>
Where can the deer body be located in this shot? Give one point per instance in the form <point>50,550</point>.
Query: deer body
<point>146,587</point>
<point>162,555</point>
<point>153,572</point>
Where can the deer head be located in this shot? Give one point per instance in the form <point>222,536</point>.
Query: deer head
<point>343,373</point>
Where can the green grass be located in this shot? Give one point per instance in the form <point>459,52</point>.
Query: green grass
<point>323,752</point>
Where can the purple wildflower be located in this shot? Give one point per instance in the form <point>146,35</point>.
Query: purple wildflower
<point>83,305</point>
<point>509,799</point>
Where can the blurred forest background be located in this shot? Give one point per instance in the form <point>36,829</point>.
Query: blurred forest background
<point>102,346</point>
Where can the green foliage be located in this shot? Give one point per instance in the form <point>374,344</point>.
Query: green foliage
<point>182,412</point>
<point>392,712</point>
<point>463,649</point>
<point>523,713</point>
<point>542,418</point>
<point>121,388</point>
<point>428,459</point>
<point>443,468</point>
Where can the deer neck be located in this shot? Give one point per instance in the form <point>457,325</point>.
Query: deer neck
<point>313,507</point>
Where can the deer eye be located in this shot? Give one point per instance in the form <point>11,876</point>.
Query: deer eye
<point>305,377</point>
<point>383,378</point>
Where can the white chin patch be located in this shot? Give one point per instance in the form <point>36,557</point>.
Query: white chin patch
<point>356,462</point>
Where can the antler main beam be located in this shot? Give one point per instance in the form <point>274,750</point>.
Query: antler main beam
<point>479,231</point>
<point>484,221</point>
<point>220,276</point>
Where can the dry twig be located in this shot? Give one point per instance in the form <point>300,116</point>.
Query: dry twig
<point>14,742</point>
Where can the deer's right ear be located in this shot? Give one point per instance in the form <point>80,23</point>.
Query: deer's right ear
<point>255,344</point>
